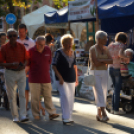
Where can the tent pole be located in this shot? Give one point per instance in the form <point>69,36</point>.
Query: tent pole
<point>97,17</point>
<point>69,27</point>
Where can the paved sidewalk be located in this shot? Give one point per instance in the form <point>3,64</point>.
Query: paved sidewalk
<point>84,117</point>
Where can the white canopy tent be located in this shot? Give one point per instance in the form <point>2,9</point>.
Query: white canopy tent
<point>35,19</point>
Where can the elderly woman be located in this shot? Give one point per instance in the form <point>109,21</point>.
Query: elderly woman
<point>99,58</point>
<point>116,50</point>
<point>64,65</point>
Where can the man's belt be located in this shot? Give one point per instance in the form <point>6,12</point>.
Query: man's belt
<point>14,69</point>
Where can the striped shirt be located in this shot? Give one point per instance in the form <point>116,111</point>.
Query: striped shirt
<point>12,54</point>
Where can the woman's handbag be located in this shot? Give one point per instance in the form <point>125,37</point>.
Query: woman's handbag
<point>89,79</point>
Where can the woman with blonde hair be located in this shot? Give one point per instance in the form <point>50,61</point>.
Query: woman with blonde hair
<point>99,58</point>
<point>64,65</point>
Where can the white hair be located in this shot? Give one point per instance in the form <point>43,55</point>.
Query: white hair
<point>11,30</point>
<point>40,38</point>
<point>129,50</point>
<point>100,35</point>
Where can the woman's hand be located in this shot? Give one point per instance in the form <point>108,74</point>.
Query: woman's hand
<point>76,83</point>
<point>61,81</point>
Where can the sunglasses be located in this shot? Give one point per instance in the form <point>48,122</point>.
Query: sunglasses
<point>13,35</point>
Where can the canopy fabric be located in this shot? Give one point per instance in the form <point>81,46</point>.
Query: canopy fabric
<point>116,15</point>
<point>60,16</point>
<point>35,19</point>
<point>115,8</point>
<point>115,25</point>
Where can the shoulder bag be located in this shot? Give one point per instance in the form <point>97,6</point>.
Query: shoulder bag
<point>89,79</point>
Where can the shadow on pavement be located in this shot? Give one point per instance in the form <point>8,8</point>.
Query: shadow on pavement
<point>123,128</point>
<point>56,127</point>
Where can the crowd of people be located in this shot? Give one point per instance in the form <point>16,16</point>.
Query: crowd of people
<point>26,65</point>
<point>114,58</point>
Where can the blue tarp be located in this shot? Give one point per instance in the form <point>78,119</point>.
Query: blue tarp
<point>116,15</point>
<point>60,16</point>
<point>115,8</point>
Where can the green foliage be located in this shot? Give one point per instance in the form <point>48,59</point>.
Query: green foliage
<point>61,3</point>
<point>7,6</point>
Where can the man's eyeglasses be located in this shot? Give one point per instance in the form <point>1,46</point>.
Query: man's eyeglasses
<point>13,35</point>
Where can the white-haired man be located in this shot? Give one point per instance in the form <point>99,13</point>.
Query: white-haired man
<point>39,78</point>
<point>14,54</point>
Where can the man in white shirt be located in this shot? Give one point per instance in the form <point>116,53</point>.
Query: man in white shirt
<point>28,43</point>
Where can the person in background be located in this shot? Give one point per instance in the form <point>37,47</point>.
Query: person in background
<point>28,43</point>
<point>2,38</point>
<point>99,58</point>
<point>2,42</point>
<point>15,56</point>
<point>2,70</point>
<point>39,78</point>
<point>114,69</point>
<point>126,57</point>
<point>49,42</point>
<point>64,65</point>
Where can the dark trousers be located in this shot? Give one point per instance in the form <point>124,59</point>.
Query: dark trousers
<point>117,82</point>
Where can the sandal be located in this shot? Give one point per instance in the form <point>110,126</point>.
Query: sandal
<point>98,118</point>
<point>105,119</point>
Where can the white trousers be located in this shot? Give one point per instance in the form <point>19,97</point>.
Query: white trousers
<point>100,88</point>
<point>67,91</point>
<point>13,79</point>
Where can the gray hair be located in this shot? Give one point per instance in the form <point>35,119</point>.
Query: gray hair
<point>11,30</point>
<point>129,50</point>
<point>100,35</point>
<point>40,38</point>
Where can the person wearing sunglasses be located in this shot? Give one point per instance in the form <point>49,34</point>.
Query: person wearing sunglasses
<point>14,59</point>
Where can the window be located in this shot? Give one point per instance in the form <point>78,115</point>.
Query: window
<point>1,24</point>
<point>35,8</point>
<point>19,14</point>
<point>27,11</point>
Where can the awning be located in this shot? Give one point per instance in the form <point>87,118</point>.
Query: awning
<point>115,8</point>
<point>116,15</point>
<point>60,16</point>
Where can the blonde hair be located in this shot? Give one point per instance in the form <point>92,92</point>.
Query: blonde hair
<point>65,38</point>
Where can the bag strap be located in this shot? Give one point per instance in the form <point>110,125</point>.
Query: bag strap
<point>95,51</point>
<point>89,59</point>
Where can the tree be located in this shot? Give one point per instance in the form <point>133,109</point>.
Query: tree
<point>8,6</point>
<point>61,3</point>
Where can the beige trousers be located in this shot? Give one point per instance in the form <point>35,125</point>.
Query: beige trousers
<point>14,79</point>
<point>36,90</point>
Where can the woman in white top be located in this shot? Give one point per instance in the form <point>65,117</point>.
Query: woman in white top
<point>99,58</point>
